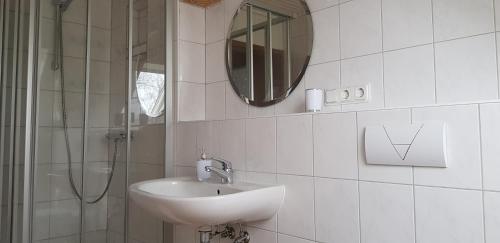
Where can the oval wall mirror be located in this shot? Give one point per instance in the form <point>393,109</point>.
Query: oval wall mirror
<point>268,49</point>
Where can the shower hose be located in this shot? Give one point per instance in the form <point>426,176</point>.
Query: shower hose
<point>59,65</point>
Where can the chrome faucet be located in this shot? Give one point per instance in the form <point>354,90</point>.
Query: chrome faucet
<point>226,173</point>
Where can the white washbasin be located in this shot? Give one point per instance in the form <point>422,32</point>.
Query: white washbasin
<point>187,201</point>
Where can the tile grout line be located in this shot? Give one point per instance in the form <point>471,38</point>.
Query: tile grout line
<point>496,47</point>
<point>414,193</point>
<point>358,179</point>
<point>434,52</point>
<point>314,180</point>
<point>479,114</point>
<point>383,53</point>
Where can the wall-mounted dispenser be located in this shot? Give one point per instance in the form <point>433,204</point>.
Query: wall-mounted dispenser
<point>421,144</point>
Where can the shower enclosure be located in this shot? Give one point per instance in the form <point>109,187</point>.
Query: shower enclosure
<point>86,110</point>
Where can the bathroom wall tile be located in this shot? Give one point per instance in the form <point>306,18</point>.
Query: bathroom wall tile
<point>41,216</point>
<point>98,115</point>
<point>44,149</point>
<point>233,143</point>
<point>463,146</point>
<point>255,111</point>
<point>191,105</point>
<point>65,218</point>
<point>295,103</point>
<point>395,174</point>
<point>101,13</point>
<point>97,145</point>
<point>60,189</point>
<point>215,64</point>
<point>230,7</point>
<point>148,145</point>
<point>325,76</point>
<point>460,18</point>
<point>326,46</point>
<point>490,134</point>
<point>335,145</point>
<point>448,215</point>
<point>191,23</point>
<point>191,62</point>
<point>337,210</point>
<point>317,5</point>
<point>406,23</point>
<point>143,225</point>
<point>492,216</point>
<point>361,71</point>
<point>235,107</point>
<point>76,12</point>
<point>466,69</point>
<point>258,235</point>
<point>185,171</point>
<point>261,144</point>
<point>58,141</point>
<point>386,213</point>
<point>267,179</point>
<point>208,140</point>
<point>216,101</point>
<point>185,143</point>
<point>100,74</point>
<point>294,145</point>
<point>296,216</point>
<point>215,22</point>
<point>46,99</point>
<point>409,77</point>
<point>42,183</point>
<point>360,28</point>
<point>290,239</point>
<point>95,216</point>
<point>74,109</point>
<point>100,44</point>
<point>74,39</point>
<point>184,234</point>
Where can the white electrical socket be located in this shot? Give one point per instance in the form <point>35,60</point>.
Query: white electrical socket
<point>349,95</point>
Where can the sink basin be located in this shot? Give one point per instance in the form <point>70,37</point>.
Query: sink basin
<point>190,202</point>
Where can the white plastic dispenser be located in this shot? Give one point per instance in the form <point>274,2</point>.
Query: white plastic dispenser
<point>202,174</point>
<point>406,144</point>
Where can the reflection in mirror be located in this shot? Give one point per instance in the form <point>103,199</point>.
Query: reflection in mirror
<point>268,49</point>
<point>150,89</point>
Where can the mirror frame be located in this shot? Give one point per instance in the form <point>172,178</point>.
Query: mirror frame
<point>295,83</point>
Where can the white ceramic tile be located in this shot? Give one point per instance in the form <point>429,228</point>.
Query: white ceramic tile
<point>233,143</point>
<point>448,215</point>
<point>395,174</point>
<point>209,138</point>
<point>335,145</point>
<point>64,218</point>
<point>337,210</point>
<point>261,144</point>
<point>185,171</point>
<point>316,5</point>
<point>490,135</point>
<point>46,99</point>
<point>95,215</point>
<point>326,45</point>
<point>191,23</point>
<point>325,76</point>
<point>41,216</point>
<point>216,101</point>
<point>215,64</point>
<point>59,154</point>
<point>296,216</point>
<point>235,107</point>
<point>466,69</point>
<point>463,147</point>
<point>409,77</point>
<point>184,234</point>
<point>191,62</point>
<point>386,213</point>
<point>290,239</point>
<point>460,18</point>
<point>74,109</point>
<point>185,143</point>
<point>76,12</point>
<point>255,111</point>
<point>100,48</point>
<point>294,145</point>
<point>101,13</point>
<point>295,103</point>
<point>406,23</point>
<point>268,179</point>
<point>44,149</point>
<point>230,7</point>
<point>360,28</point>
<point>492,216</point>
<point>98,115</point>
<point>100,77</point>
<point>362,71</point>
<point>215,22</point>
<point>148,145</point>
<point>191,98</point>
<point>97,145</point>
<point>42,185</point>
<point>258,235</point>
<point>74,39</point>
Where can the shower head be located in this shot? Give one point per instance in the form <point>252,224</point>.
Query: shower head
<point>63,4</point>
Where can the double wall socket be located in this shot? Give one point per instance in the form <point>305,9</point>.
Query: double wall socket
<point>349,95</point>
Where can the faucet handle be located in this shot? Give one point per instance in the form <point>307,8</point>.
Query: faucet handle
<point>226,165</point>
